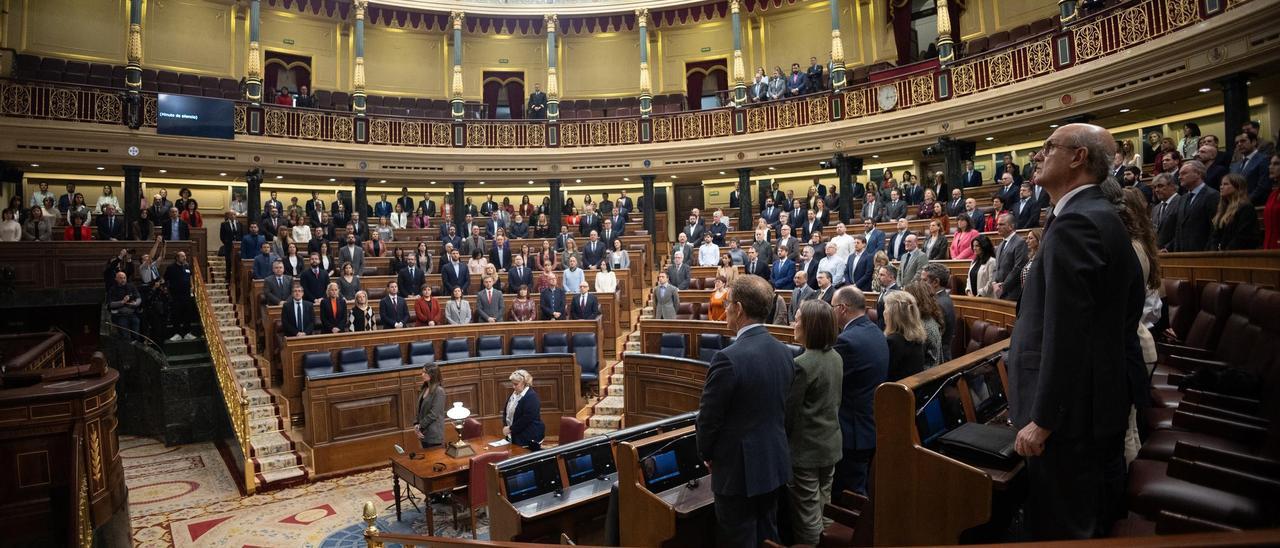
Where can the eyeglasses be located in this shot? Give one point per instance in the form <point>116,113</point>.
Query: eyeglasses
<point>1049,145</point>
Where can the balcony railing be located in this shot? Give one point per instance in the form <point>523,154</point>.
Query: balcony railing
<point>1094,37</point>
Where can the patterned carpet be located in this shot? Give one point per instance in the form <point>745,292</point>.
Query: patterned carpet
<point>186,496</point>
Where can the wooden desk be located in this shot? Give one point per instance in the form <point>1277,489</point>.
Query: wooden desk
<point>425,474</point>
<point>651,332</point>
<point>658,387</point>
<point>680,516</point>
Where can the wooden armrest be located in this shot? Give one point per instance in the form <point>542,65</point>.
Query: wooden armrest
<point>1247,463</point>
<point>1182,350</point>
<point>1170,523</point>
<point>1241,433</point>
<point>1189,363</point>
<point>1247,406</point>
<point>1198,408</point>
<point>852,500</point>
<point>1226,479</point>
<point>843,516</point>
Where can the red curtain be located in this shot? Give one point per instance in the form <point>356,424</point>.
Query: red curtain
<point>696,75</point>
<point>515,98</point>
<point>901,15</point>
<point>491,89</point>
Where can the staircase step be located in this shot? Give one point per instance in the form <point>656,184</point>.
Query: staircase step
<point>262,412</point>
<point>283,476</point>
<point>610,422</point>
<point>610,405</point>
<point>616,379</point>
<point>259,397</point>
<point>278,461</point>
<point>598,432</point>
<point>271,443</point>
<point>251,384</point>
<point>269,424</point>
<point>615,389</point>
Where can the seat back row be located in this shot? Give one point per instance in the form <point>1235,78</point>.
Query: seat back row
<point>417,354</point>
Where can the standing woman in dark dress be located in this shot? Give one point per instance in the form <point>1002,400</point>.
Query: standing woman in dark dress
<point>522,415</point>
<point>431,417</point>
<point>905,334</point>
<point>1235,226</point>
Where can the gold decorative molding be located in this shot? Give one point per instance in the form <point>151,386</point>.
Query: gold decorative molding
<point>457,82</point>
<point>739,70</point>
<point>135,44</point>
<point>254,68</point>
<point>360,6</point>
<point>646,86</point>
<point>457,17</point>
<point>734,6</point>
<point>357,76</point>
<point>553,88</point>
<point>642,17</point>
<point>837,47</point>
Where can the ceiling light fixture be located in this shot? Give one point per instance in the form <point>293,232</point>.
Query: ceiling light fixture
<point>164,171</point>
<point>35,165</point>
<point>279,176</point>
<point>332,179</point>
<point>875,155</point>
<point>482,182</point>
<point>674,177</point>
<point>222,174</point>
<point>626,179</point>
<point>1053,125</point>
<point>771,168</point>
<point>383,181</point>
<point>722,173</point>
<point>1124,110</point>
<point>1205,90</point>
<point>100,168</point>
<point>991,138</point>
<point>530,182</point>
<point>433,182</point>
<point>577,180</point>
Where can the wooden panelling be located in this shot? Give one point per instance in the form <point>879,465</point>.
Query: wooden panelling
<point>1258,267</point>
<point>353,420</point>
<point>651,331</point>
<point>658,387</point>
<point>295,347</point>
<point>70,265</point>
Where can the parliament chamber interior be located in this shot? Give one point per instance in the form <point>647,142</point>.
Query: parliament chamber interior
<point>639,273</point>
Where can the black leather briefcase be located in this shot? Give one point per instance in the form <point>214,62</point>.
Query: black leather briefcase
<point>981,444</point>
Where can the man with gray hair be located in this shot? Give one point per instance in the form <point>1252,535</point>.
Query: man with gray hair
<point>1199,204</point>
<point>1071,384</point>
<point>1011,257</point>
<point>833,264</point>
<point>865,354</point>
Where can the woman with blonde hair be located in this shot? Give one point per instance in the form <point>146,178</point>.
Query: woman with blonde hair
<point>931,319</point>
<point>905,334</point>
<point>880,259</point>
<point>1235,226</point>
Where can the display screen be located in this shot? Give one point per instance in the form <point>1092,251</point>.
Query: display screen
<point>931,422</point>
<point>191,116</point>
<point>661,467</point>
<point>521,484</point>
<point>579,467</point>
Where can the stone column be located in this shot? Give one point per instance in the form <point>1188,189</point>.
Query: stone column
<point>557,201</point>
<point>846,168</point>
<point>456,104</point>
<point>837,49</point>
<point>553,87</point>
<point>1235,107</point>
<point>650,207</point>
<point>646,86</point>
<point>253,194</point>
<point>133,71</point>
<point>744,199</point>
<point>132,197</point>
<point>361,200</point>
<point>739,71</point>
<point>357,76</point>
<point>459,207</point>
<point>253,69</point>
<point>1068,11</point>
<point>946,46</point>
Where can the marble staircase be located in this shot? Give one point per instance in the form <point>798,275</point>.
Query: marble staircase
<point>273,455</point>
<point>606,414</point>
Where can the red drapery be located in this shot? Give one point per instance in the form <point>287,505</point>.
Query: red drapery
<point>695,78</point>
<point>515,98</point>
<point>495,83</point>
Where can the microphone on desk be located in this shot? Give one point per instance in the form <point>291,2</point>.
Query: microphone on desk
<point>693,483</point>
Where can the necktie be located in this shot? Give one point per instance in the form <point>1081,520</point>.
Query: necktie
<point>583,303</point>
<point>411,273</point>
<point>279,281</point>
<point>111,224</point>
<point>298,312</point>
<point>1160,214</point>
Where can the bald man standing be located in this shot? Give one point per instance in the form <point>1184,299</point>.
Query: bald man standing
<point>1070,379</point>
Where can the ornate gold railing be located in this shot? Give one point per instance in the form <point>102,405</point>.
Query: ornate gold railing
<point>232,393</point>
<point>1090,38</point>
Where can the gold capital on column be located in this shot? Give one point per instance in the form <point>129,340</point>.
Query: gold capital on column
<point>457,17</point>
<point>360,6</point>
<point>642,16</point>
<point>551,20</point>
<point>135,44</point>
<point>837,47</point>
<point>733,6</point>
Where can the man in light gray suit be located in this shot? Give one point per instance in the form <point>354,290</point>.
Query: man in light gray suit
<point>278,286</point>
<point>489,302</point>
<point>913,259</point>
<point>678,272</point>
<point>1011,257</point>
<point>800,294</point>
<point>352,253</point>
<point>666,299</point>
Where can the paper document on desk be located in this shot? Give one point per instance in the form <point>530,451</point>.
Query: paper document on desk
<point>499,443</point>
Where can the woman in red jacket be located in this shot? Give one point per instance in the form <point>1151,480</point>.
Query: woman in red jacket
<point>77,230</point>
<point>427,309</point>
<point>191,214</point>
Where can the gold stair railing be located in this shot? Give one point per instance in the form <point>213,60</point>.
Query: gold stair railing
<point>233,393</point>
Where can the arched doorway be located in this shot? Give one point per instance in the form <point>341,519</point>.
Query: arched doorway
<point>285,70</point>
<point>705,83</point>
<point>504,95</point>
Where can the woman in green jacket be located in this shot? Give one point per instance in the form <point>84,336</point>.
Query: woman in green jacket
<point>813,429</point>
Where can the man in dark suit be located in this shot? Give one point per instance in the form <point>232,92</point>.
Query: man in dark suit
<point>1198,204</point>
<point>111,227</point>
<point>896,208</point>
<point>740,427</point>
<point>563,237</point>
<point>273,202</point>
<point>392,309</point>
<point>809,265</point>
<point>175,228</point>
<point>411,277</point>
<point>314,279</point>
<point>1026,211</point>
<point>783,271</point>
<point>1003,167</point>
<point>873,236</point>
<point>1164,212</point>
<point>860,264</point>
<point>955,206</point>
<point>897,243</point>
<point>796,81</point>
<point>872,208</point>
<point>594,251</point>
<point>277,286</point>
<point>813,76</point>
<point>735,197</point>
<point>455,274</point>
<point>613,229</point>
<point>1008,192</point>
<point>551,301</point>
<point>678,272</point>
<point>405,200</point>
<point>623,205</point>
<point>427,204</point>
<point>1011,257</point>
<point>251,243</point>
<point>971,176</point>
<point>585,305</point>
<point>537,107</point>
<point>865,353</point>
<point>888,276</point>
<point>271,223</point>
<point>492,225</point>
<point>769,212</point>
<point>1071,382</point>
<point>315,210</point>
<point>297,315</point>
<point>755,265</point>
<point>519,275</point>
<point>1253,165</point>
<point>694,228</point>
<point>383,207</point>
<point>358,227</point>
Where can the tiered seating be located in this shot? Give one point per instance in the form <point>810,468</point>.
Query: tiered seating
<point>52,69</point>
<point>1209,461</point>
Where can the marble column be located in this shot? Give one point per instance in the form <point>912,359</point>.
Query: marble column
<point>739,70</point>
<point>456,104</point>
<point>557,202</point>
<point>253,76</point>
<point>650,207</point>
<point>132,197</point>
<point>837,75</point>
<point>357,77</point>
<point>744,199</point>
<point>646,86</point>
<point>946,46</point>
<point>459,207</point>
<point>1235,107</point>
<point>553,87</point>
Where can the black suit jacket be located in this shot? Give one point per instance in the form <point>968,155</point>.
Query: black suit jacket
<point>741,414</point>
<point>1192,221</point>
<point>1085,285</point>
<point>971,179</point>
<point>527,429</point>
<point>115,229</point>
<point>518,277</point>
<point>391,315</point>
<point>184,231</point>
<point>411,285</point>
<point>312,285</point>
<point>328,320</point>
<point>761,270</point>
<point>1029,217</point>
<point>289,319</point>
<point>590,312</point>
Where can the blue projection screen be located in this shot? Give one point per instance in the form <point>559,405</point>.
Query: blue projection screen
<point>195,116</point>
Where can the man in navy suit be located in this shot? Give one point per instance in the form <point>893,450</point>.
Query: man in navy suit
<point>873,236</point>
<point>593,251</point>
<point>455,274</point>
<point>797,83</point>
<point>405,200</point>
<point>392,309</point>
<point>971,177</point>
<point>865,353</point>
<point>551,301</point>
<point>784,271</point>
<point>491,227</point>
<point>1026,210</point>
<point>111,227</point>
<point>296,314</point>
<point>740,426</point>
<point>383,207</point>
<point>858,268</point>
<point>314,279</point>
<point>1071,382</point>
<point>500,255</point>
<point>411,277</point>
<point>1253,166</point>
<point>769,213</point>
<point>585,305</point>
<point>519,275</point>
